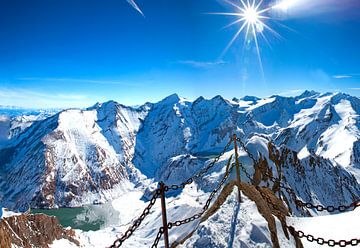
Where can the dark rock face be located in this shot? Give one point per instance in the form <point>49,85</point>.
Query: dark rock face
<point>32,231</point>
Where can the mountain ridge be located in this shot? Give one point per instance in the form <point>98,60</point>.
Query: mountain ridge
<point>96,153</point>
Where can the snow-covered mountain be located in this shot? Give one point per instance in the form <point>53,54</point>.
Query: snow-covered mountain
<point>68,155</point>
<point>14,120</point>
<point>77,157</point>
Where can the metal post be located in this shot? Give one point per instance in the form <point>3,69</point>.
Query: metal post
<point>237,167</point>
<point>164,218</point>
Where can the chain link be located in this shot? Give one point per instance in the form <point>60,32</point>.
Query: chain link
<point>267,198</point>
<point>330,209</point>
<point>207,204</point>
<point>243,169</point>
<point>246,150</point>
<point>321,241</point>
<point>309,237</point>
<point>203,171</point>
<point>158,237</point>
<point>118,242</point>
<point>250,156</point>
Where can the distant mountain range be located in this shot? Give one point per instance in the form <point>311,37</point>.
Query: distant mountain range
<point>74,157</point>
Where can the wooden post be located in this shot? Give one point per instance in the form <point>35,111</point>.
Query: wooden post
<point>164,218</point>
<point>237,167</point>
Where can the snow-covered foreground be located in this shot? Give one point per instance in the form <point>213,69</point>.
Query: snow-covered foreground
<point>344,226</point>
<point>233,225</point>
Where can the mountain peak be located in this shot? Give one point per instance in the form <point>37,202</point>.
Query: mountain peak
<point>171,99</point>
<point>219,99</point>
<point>308,93</point>
<point>250,99</point>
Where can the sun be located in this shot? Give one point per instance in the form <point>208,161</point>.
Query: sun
<point>251,16</point>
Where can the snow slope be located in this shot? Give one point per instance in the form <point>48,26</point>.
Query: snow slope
<point>343,226</point>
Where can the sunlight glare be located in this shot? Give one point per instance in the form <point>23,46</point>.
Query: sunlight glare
<point>251,16</point>
<point>284,5</point>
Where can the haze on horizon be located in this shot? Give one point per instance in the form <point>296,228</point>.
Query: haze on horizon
<point>76,53</point>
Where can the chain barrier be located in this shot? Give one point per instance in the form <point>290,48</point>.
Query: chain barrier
<point>342,243</point>
<point>207,204</point>
<point>246,150</point>
<point>321,241</point>
<point>118,242</point>
<point>243,169</point>
<point>330,209</point>
<point>291,192</point>
<point>309,205</point>
<point>201,172</point>
<point>309,237</point>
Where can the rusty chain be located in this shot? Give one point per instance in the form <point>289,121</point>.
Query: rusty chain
<point>207,204</point>
<point>201,172</point>
<point>118,242</point>
<point>158,237</point>
<point>309,237</point>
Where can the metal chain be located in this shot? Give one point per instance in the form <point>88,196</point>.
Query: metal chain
<point>267,198</point>
<point>207,204</point>
<point>246,150</point>
<point>250,156</point>
<point>342,243</point>
<point>158,237</point>
<point>309,237</point>
<point>118,242</point>
<point>309,205</point>
<point>321,241</point>
<point>291,192</point>
<point>201,172</point>
<point>330,209</point>
<point>243,169</point>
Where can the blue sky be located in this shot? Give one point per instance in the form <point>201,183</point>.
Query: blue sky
<point>73,53</point>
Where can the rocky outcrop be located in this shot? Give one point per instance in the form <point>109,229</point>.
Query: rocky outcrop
<point>269,208</point>
<point>30,231</point>
<point>337,187</point>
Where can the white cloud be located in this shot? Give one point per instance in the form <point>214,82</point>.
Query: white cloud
<point>354,88</point>
<point>342,76</point>
<point>135,6</point>
<point>35,99</point>
<point>201,64</point>
<point>350,75</point>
